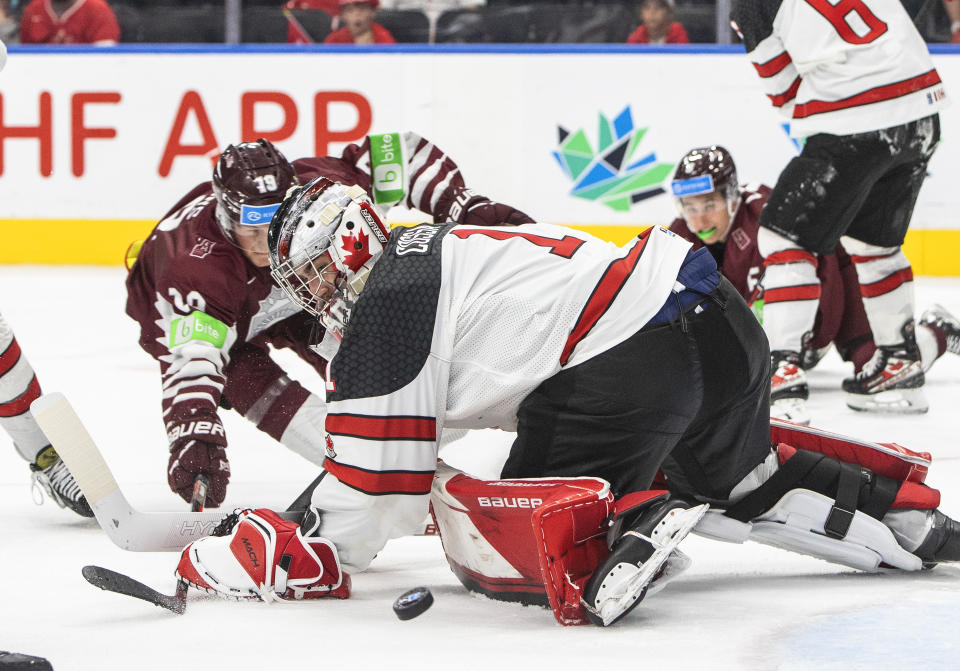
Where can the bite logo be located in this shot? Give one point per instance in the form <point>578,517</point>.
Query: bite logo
<point>615,174</point>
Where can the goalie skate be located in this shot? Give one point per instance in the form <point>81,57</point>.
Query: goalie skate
<point>643,560</point>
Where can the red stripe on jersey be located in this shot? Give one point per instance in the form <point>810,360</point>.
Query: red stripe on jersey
<point>607,288</point>
<point>782,99</point>
<point>774,65</point>
<point>9,357</point>
<point>874,95</point>
<point>887,284</point>
<point>21,403</point>
<point>382,427</point>
<point>790,256</point>
<point>379,483</point>
<point>803,292</point>
<point>868,259</point>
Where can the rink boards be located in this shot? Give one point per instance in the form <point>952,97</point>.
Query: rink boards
<point>97,144</point>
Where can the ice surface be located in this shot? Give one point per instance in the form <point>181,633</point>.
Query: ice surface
<point>738,607</point>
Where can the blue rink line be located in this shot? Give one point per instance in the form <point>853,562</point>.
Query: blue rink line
<point>582,49</point>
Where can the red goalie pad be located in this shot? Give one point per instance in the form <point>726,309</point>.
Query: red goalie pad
<point>535,541</point>
<point>888,459</point>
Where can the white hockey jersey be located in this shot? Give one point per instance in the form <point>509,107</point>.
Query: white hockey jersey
<point>840,68</point>
<point>455,327</point>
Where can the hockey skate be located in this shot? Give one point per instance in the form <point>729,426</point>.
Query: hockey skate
<point>891,381</point>
<point>939,318</point>
<point>51,475</point>
<point>788,388</point>
<point>643,559</point>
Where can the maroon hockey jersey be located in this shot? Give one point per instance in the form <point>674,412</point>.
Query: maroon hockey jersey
<point>841,318</point>
<point>187,266</point>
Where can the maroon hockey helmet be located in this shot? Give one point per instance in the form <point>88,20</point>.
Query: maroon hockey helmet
<point>249,183</point>
<point>705,170</point>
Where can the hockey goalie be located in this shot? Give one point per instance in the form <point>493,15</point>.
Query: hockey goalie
<point>611,364</point>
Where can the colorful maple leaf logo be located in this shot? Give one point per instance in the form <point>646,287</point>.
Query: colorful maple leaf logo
<point>356,250</point>
<point>613,174</point>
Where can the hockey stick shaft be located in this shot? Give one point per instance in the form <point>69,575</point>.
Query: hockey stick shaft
<point>127,527</point>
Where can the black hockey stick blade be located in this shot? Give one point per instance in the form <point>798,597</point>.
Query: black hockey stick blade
<point>112,581</point>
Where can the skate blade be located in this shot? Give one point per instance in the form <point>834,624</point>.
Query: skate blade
<point>893,401</point>
<point>791,409</point>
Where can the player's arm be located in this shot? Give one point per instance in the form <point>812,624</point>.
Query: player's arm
<point>409,170</point>
<point>381,463</point>
<point>754,21</point>
<point>197,332</point>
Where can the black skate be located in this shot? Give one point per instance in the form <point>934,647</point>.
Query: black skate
<point>643,559</point>
<point>939,318</point>
<point>51,475</point>
<point>891,381</point>
<point>788,388</point>
<point>942,542</point>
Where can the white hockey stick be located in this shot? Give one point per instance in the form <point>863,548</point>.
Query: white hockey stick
<point>127,527</point>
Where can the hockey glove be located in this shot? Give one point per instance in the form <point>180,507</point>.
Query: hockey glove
<point>265,557</point>
<point>198,447</point>
<point>463,206</point>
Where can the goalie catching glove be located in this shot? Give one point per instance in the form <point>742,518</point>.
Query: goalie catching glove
<point>258,554</point>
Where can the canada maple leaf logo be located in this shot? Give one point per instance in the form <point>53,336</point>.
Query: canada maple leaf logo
<point>356,250</point>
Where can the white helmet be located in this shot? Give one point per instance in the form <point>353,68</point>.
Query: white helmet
<point>323,241</point>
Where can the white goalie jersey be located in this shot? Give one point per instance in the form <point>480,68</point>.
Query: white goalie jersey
<point>840,68</point>
<point>455,327</point>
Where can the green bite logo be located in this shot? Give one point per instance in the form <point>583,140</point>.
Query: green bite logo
<point>616,174</point>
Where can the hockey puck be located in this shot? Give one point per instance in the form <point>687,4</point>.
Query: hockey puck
<point>410,604</point>
<point>15,661</point>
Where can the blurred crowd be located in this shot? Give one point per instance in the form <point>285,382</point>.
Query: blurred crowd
<point>106,22</point>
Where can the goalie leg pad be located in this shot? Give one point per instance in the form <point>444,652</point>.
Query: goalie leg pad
<point>887,459</point>
<point>532,540</point>
<point>264,556</point>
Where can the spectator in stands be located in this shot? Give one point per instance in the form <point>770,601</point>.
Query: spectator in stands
<point>356,17</point>
<point>9,28</point>
<point>69,22</point>
<point>953,13</point>
<point>658,26</point>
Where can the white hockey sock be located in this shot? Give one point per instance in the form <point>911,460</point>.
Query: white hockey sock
<point>886,284</point>
<point>791,291</point>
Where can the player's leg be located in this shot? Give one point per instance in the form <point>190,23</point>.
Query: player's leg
<point>893,378</point>
<point>816,197</point>
<point>257,388</point>
<point>18,389</point>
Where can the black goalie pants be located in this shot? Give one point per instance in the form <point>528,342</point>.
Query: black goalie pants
<point>690,397</point>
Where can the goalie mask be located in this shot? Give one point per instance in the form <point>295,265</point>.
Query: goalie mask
<point>323,242</point>
<point>249,183</point>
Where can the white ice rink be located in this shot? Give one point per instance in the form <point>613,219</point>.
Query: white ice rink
<point>738,607</point>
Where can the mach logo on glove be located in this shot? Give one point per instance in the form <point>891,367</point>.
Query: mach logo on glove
<point>615,174</point>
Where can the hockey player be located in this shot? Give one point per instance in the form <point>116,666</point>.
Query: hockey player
<point>18,389</point>
<point>857,82</point>
<point>720,213</point>
<point>608,362</point>
<point>208,311</point>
